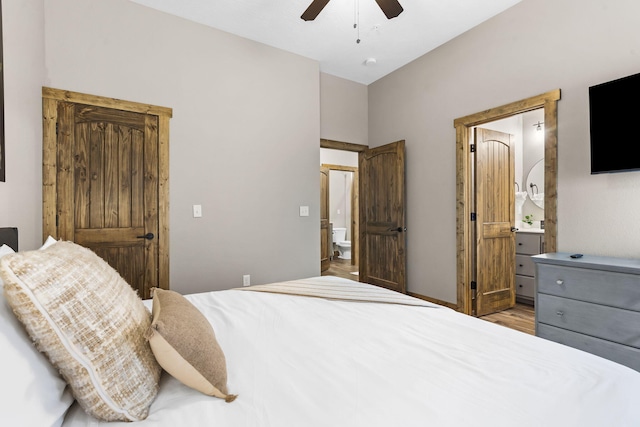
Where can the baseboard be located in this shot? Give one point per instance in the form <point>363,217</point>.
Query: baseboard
<point>434,300</point>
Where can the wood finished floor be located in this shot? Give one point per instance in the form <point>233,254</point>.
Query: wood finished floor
<point>520,318</point>
<point>342,268</point>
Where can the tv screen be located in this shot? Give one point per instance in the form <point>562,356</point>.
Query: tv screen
<point>614,111</point>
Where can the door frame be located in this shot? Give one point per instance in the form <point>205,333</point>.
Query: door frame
<point>354,228</point>
<point>50,99</point>
<point>357,148</point>
<point>326,252</point>
<point>465,258</point>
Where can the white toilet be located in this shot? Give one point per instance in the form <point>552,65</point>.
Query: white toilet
<point>340,242</point>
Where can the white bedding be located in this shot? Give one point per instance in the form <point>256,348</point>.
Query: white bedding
<point>298,361</point>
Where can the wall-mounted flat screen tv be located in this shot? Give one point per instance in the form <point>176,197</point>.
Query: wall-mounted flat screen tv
<point>614,113</point>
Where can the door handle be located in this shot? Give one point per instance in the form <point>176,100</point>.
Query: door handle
<point>148,236</point>
<point>399,229</point>
<point>514,229</point>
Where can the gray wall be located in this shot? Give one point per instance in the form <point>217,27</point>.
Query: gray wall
<point>244,132</point>
<point>21,194</point>
<point>343,110</point>
<point>534,47</point>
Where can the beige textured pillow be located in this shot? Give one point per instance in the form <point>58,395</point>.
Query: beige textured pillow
<point>91,325</point>
<point>185,345</point>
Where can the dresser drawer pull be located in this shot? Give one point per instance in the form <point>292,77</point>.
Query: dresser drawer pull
<point>559,281</point>
<point>560,313</point>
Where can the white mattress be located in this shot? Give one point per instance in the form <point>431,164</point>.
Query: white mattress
<point>298,361</point>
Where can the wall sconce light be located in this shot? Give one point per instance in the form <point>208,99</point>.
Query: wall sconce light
<point>539,125</point>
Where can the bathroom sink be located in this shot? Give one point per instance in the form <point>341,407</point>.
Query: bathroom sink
<point>538,199</point>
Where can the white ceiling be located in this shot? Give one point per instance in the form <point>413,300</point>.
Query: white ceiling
<point>331,38</point>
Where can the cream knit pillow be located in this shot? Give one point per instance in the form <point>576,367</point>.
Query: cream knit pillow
<point>91,325</point>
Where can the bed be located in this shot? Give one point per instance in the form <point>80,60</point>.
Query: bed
<point>327,351</point>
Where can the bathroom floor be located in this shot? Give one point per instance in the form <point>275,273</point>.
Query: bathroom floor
<point>342,268</point>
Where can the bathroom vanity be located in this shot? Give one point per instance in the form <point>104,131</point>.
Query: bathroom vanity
<point>591,303</point>
<point>529,242</point>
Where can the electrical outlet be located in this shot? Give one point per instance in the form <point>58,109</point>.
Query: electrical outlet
<point>246,280</point>
<point>304,210</point>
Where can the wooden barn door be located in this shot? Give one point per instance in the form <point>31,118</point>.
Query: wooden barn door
<point>382,217</point>
<point>108,190</point>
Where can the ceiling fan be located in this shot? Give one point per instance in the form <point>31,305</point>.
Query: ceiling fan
<point>391,8</point>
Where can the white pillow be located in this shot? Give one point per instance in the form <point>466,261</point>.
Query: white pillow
<point>5,250</point>
<point>50,241</point>
<point>31,391</point>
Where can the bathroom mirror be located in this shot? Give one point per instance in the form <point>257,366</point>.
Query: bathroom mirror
<point>535,183</point>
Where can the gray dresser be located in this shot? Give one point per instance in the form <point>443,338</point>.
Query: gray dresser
<point>527,243</point>
<point>590,303</point>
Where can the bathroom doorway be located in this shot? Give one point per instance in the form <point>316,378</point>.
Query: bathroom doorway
<point>340,159</point>
<point>508,153</point>
<point>380,244</point>
<point>343,211</point>
<point>467,262</point>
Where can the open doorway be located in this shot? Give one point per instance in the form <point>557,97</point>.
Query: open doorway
<point>467,264</point>
<point>508,190</point>
<point>381,240</point>
<point>343,211</point>
<point>340,161</point>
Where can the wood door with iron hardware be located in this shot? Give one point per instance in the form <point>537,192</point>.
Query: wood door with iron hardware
<point>110,184</point>
<point>382,216</point>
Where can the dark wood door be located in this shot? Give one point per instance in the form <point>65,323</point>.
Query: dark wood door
<point>495,221</point>
<point>382,216</point>
<point>326,239</point>
<point>108,189</point>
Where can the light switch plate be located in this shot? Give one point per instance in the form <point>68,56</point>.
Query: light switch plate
<point>197,211</point>
<point>304,210</point>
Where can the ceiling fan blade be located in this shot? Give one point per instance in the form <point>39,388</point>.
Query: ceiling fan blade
<point>314,9</point>
<point>391,8</point>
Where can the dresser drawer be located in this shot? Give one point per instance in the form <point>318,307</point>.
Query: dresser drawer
<point>525,286</point>
<point>625,355</point>
<point>525,265</point>
<point>602,287</point>
<point>528,244</point>
<point>609,323</point>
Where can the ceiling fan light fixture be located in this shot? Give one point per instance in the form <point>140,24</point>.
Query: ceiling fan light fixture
<point>391,8</point>
<point>314,9</point>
